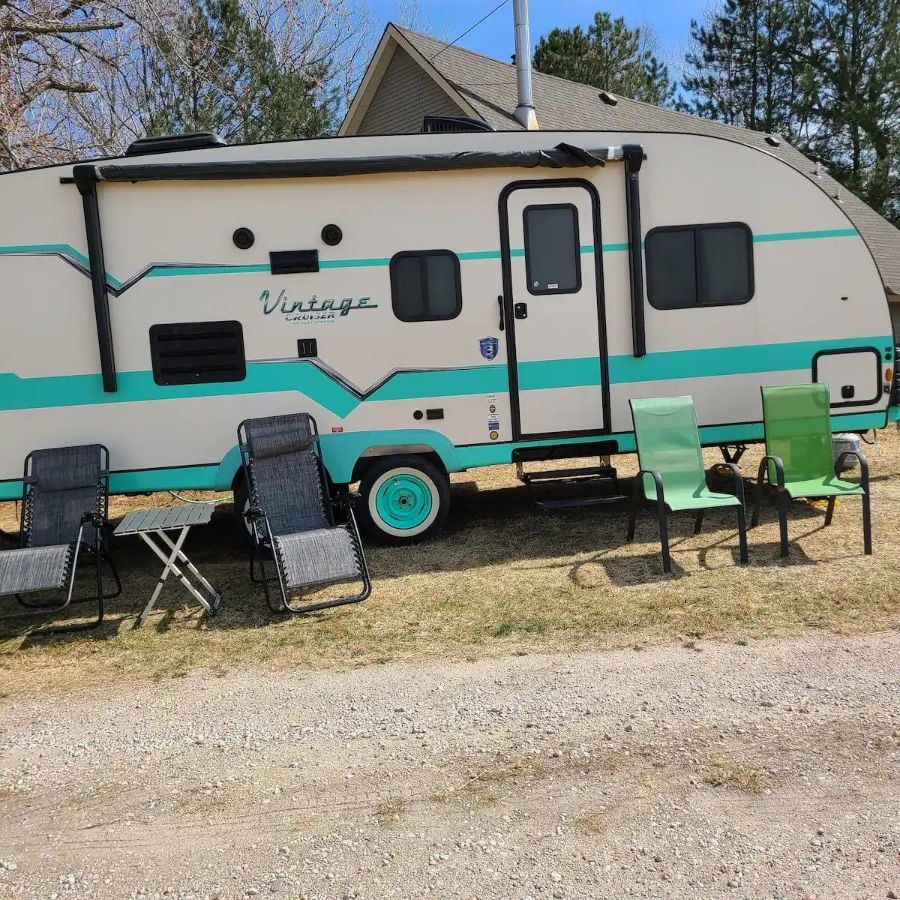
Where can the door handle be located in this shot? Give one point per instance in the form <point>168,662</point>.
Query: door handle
<point>520,310</point>
<point>500,304</point>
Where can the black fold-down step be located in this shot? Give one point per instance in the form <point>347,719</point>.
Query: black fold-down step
<point>602,475</point>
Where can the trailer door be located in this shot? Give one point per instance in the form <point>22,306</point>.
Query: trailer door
<point>554,308</point>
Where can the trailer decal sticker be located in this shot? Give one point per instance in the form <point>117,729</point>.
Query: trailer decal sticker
<point>489,347</point>
<point>314,309</point>
<point>75,258</point>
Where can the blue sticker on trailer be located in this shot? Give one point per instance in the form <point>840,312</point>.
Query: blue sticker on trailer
<point>489,347</point>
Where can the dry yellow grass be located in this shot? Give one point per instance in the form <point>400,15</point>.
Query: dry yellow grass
<point>500,578</point>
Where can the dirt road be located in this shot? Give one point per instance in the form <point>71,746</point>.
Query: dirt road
<point>768,770</point>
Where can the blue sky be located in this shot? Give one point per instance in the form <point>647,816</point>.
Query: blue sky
<point>670,20</point>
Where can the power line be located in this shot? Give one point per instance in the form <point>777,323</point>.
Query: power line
<point>471,28</point>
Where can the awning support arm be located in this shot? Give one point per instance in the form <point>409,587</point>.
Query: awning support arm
<point>85,179</point>
<point>633,155</point>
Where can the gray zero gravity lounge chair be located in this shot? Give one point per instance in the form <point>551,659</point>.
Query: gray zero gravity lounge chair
<point>292,513</point>
<point>64,503</point>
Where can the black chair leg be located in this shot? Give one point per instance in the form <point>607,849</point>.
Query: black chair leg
<point>633,507</point>
<point>867,524</point>
<point>742,534</point>
<point>829,513</point>
<point>664,536</point>
<point>698,522</point>
<point>782,523</point>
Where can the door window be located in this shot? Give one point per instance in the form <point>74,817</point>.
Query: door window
<point>552,252</point>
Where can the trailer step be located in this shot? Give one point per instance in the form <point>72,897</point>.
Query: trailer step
<point>583,473</point>
<point>603,475</point>
<point>575,503</point>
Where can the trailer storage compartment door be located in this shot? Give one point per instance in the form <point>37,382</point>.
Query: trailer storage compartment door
<point>853,376</point>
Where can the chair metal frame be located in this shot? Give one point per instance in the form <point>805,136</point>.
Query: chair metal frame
<point>96,519</point>
<point>782,496</point>
<point>663,510</point>
<point>263,539</point>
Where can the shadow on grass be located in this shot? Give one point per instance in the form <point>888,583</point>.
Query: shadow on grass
<point>486,527</point>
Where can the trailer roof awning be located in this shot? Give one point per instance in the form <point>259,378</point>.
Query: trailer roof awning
<point>562,156</point>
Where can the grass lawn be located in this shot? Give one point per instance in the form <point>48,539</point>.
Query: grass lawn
<point>502,577</point>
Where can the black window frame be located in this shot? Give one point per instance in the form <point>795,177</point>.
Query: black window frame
<point>162,331</point>
<point>424,254</point>
<point>528,279</point>
<point>693,228</point>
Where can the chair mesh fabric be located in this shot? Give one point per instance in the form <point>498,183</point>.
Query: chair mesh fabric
<point>35,569</point>
<point>668,442</point>
<point>65,483</point>
<point>285,478</point>
<point>798,430</point>
<point>319,557</point>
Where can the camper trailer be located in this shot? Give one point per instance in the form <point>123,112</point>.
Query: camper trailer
<point>437,302</point>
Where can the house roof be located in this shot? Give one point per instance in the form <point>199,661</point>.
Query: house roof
<point>486,87</point>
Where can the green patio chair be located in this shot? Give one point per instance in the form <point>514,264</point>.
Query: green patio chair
<point>671,469</point>
<point>799,460</point>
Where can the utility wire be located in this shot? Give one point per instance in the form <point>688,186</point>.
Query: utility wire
<point>470,28</point>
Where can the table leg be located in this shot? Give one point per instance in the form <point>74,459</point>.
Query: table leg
<point>190,566</point>
<point>169,567</point>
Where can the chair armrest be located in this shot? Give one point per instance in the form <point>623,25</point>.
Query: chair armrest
<point>738,479</point>
<point>657,479</point>
<point>863,467</point>
<point>764,468</point>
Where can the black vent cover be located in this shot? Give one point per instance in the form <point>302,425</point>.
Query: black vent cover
<point>197,353</point>
<point>451,124</point>
<point>195,140</point>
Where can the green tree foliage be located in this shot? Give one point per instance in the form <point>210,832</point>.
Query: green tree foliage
<point>823,73</point>
<point>609,55</point>
<point>216,71</point>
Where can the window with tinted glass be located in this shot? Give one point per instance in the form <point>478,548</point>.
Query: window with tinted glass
<point>425,285</point>
<point>699,265</point>
<point>552,253</point>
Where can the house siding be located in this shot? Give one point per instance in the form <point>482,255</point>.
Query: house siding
<point>405,96</point>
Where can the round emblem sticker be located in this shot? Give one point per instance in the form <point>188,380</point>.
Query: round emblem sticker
<point>494,435</point>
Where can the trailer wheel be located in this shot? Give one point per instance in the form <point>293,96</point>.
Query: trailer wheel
<point>404,499</point>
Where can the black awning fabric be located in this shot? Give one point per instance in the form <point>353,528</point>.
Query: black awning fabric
<point>562,156</point>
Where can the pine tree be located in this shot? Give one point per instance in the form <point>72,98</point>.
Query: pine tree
<point>609,55</point>
<point>823,73</point>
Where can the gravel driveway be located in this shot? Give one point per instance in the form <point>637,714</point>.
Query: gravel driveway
<point>768,770</point>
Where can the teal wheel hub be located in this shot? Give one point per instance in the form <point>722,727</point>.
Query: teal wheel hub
<point>404,501</point>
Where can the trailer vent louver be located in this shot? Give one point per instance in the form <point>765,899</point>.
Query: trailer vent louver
<point>197,353</point>
<point>453,124</point>
<point>170,143</point>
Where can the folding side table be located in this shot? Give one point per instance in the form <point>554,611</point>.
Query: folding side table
<point>150,523</point>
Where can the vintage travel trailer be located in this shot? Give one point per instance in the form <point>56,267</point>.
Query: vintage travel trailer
<point>437,301</point>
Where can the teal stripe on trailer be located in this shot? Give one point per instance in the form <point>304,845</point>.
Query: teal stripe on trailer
<point>804,235</point>
<point>57,391</point>
<point>156,270</point>
<point>708,362</point>
<point>542,374</point>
